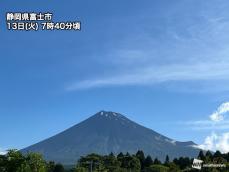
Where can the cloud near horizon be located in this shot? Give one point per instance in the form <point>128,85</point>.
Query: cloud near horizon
<point>217,121</point>
<point>216,142</point>
<point>2,152</point>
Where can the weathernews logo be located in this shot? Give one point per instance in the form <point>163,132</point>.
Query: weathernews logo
<point>198,164</point>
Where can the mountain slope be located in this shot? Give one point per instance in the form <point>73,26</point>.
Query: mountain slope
<point>107,132</point>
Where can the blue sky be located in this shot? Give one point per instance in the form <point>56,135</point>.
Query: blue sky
<point>163,64</point>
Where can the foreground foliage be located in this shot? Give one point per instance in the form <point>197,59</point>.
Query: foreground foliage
<point>15,161</point>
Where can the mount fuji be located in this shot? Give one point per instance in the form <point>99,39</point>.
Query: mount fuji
<point>107,132</point>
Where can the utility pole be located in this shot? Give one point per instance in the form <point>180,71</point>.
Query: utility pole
<point>91,165</point>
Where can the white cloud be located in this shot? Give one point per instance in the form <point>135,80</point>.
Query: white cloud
<point>209,143</point>
<point>216,142</point>
<point>218,120</point>
<point>219,114</point>
<point>216,117</point>
<point>223,108</point>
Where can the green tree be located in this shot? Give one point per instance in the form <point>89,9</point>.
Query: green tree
<point>111,163</point>
<point>120,155</point>
<point>217,154</point>
<point>36,162</point>
<point>50,166</point>
<point>92,162</point>
<point>140,155</point>
<point>111,154</point>
<point>58,168</point>
<point>80,169</point>
<point>167,160</point>
<point>24,168</point>
<point>14,161</point>
<point>157,168</point>
<point>156,161</point>
<point>125,161</point>
<point>135,164</point>
<point>201,155</point>
<point>173,167</point>
<point>184,162</point>
<point>227,157</point>
<point>130,163</point>
<point>148,161</point>
<point>208,156</point>
<point>3,162</point>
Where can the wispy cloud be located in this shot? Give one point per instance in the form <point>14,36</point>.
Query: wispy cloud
<point>190,50</point>
<point>153,74</point>
<point>208,125</point>
<point>186,59</point>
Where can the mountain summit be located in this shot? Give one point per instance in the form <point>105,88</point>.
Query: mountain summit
<point>107,132</point>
